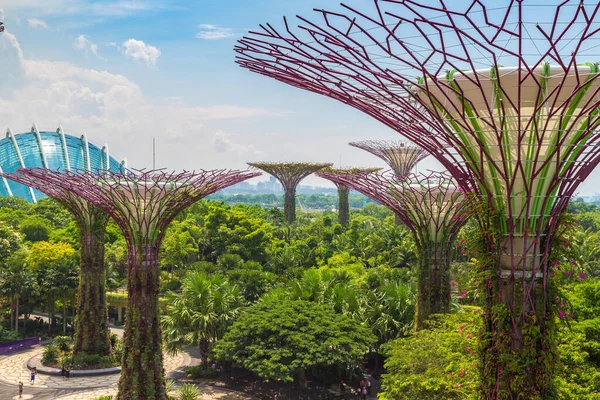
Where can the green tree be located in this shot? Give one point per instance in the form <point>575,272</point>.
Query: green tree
<point>201,313</point>
<point>437,363</point>
<point>16,281</point>
<point>281,340</point>
<point>35,229</point>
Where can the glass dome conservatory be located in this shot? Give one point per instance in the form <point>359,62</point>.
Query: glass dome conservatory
<point>52,150</point>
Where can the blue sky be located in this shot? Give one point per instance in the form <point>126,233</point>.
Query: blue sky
<point>124,71</point>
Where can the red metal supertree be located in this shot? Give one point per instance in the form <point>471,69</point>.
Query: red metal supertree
<point>434,209</point>
<point>344,191</point>
<point>289,174</point>
<point>500,97</point>
<point>91,323</point>
<point>142,203</point>
<point>402,157</point>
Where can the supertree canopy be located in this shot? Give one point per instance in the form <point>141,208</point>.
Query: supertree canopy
<point>401,157</point>
<point>503,98</point>
<point>289,174</point>
<point>434,209</point>
<point>344,191</point>
<point>92,335</point>
<point>142,203</point>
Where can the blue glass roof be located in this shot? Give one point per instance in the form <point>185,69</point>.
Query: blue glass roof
<point>50,152</point>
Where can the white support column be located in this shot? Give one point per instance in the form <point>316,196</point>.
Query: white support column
<point>10,135</point>
<point>38,138</point>
<point>86,149</point>
<point>65,149</point>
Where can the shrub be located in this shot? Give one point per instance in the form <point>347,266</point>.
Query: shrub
<point>199,371</point>
<point>95,361</point>
<point>117,351</point>
<point>107,397</point>
<point>114,339</point>
<point>188,392</point>
<point>439,362</point>
<point>50,355</point>
<point>63,343</point>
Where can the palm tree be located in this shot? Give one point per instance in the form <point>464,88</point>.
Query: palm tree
<point>585,249</point>
<point>201,313</point>
<point>15,280</point>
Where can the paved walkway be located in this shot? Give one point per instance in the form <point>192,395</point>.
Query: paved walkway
<point>13,369</point>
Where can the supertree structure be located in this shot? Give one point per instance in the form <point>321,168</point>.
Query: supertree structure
<point>504,102</point>
<point>402,157</point>
<point>434,209</point>
<point>142,203</point>
<point>91,323</point>
<point>289,174</point>
<point>344,191</point>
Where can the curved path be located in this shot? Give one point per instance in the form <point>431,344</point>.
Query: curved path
<point>13,369</point>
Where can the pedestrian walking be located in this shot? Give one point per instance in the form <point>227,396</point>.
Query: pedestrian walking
<point>33,372</point>
<point>358,391</point>
<point>68,371</point>
<point>368,386</point>
<point>364,393</point>
<point>63,372</point>
<point>362,383</point>
<point>20,389</point>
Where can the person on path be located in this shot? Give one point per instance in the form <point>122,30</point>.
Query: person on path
<point>33,372</point>
<point>364,393</point>
<point>368,386</point>
<point>20,389</point>
<point>362,383</point>
<point>342,387</point>
<point>358,391</point>
<point>63,372</point>
<point>68,371</point>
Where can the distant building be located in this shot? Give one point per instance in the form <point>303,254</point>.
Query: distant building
<point>52,150</point>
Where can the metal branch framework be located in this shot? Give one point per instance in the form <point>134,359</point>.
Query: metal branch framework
<point>502,97</point>
<point>92,335</point>
<point>344,191</point>
<point>402,157</point>
<point>142,203</point>
<point>289,175</point>
<point>434,209</point>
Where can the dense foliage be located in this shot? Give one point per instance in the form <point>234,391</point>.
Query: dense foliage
<point>281,340</point>
<point>236,278</point>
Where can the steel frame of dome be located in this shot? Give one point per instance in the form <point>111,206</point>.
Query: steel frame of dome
<point>105,159</point>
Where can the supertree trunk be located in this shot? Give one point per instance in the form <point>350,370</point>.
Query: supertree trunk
<point>343,205</point>
<point>289,175</point>
<point>433,209</point>
<point>142,204</point>
<point>142,374</point>
<point>91,323</point>
<point>289,205</point>
<point>433,281</point>
<point>518,322</point>
<point>518,128</point>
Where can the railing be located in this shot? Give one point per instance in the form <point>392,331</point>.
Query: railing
<point>10,347</point>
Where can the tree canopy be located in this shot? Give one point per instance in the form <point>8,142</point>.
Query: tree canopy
<point>281,340</point>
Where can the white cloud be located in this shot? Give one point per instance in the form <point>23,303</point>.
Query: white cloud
<point>86,45</point>
<point>141,51</point>
<point>112,109</point>
<point>223,143</point>
<point>213,32</point>
<point>37,23</point>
